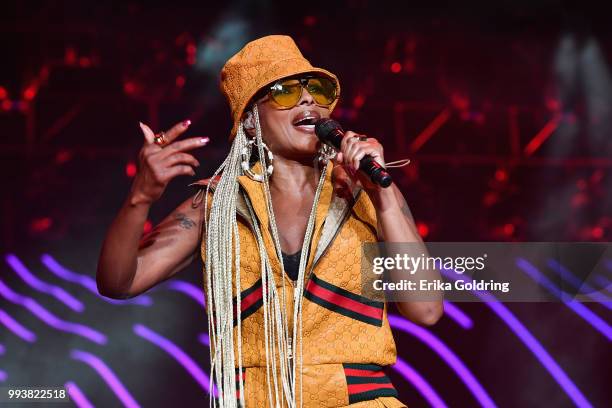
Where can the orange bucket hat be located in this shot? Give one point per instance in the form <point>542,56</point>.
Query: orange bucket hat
<point>262,62</point>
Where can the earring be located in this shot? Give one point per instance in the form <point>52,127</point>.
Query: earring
<point>245,154</point>
<point>326,153</point>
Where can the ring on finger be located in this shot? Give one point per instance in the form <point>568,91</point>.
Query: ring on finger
<point>160,139</point>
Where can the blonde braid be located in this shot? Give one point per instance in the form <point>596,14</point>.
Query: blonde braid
<point>221,259</point>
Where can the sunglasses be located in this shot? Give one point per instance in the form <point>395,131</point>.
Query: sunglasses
<point>288,92</point>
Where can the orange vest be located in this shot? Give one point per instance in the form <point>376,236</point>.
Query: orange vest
<point>346,337</point>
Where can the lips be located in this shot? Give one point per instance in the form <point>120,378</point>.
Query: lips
<point>305,120</point>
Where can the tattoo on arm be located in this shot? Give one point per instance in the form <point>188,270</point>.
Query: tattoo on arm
<point>184,221</point>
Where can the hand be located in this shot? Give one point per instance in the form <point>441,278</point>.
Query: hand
<point>352,150</point>
<point>158,165</point>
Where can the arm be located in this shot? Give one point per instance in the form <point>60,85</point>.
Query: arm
<point>127,265</point>
<point>394,224</point>
<point>131,264</point>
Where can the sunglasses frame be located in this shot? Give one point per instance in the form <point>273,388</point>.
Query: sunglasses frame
<point>303,80</point>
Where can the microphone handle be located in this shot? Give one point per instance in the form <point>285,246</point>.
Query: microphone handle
<point>367,164</point>
<point>377,173</point>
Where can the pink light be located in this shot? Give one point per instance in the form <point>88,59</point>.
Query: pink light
<point>597,232</point>
<point>423,229</point>
<point>3,93</point>
<point>310,21</point>
<point>129,88</point>
<point>29,93</point>
<point>535,143</point>
<point>63,156</point>
<point>501,175</point>
<point>130,169</point>
<point>508,229</point>
<point>396,67</point>
<point>358,101</point>
<point>41,224</point>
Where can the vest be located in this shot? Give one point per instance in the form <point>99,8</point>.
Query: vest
<point>346,336</point>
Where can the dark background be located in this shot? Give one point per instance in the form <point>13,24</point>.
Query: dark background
<point>504,108</point>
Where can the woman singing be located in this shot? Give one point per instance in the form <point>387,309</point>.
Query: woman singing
<point>280,229</point>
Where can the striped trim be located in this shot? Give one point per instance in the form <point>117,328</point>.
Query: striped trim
<point>239,375</point>
<point>366,382</point>
<point>251,299</point>
<point>344,302</point>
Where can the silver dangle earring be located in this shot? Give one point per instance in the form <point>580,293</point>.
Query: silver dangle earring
<point>326,153</point>
<point>245,155</point>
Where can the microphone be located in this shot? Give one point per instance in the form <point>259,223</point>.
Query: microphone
<point>331,133</point>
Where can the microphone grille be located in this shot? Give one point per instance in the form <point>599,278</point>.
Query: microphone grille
<point>325,126</point>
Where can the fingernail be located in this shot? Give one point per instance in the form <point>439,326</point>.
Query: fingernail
<point>204,140</point>
<point>186,123</point>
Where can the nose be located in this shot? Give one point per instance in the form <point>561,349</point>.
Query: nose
<point>306,98</point>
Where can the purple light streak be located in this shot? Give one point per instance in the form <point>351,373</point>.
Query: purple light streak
<point>107,375</point>
<point>604,282</point>
<point>422,386</point>
<point>530,341</point>
<point>447,355</point>
<point>43,287</point>
<point>3,376</point>
<point>583,287</point>
<point>458,315</point>
<point>17,328</point>
<point>204,339</point>
<point>77,396</point>
<point>581,310</point>
<point>177,353</point>
<point>187,288</point>
<point>89,283</point>
<point>49,318</point>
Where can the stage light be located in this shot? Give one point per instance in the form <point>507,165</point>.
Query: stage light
<point>130,169</point>
<point>29,93</point>
<point>309,21</point>
<point>501,175</point>
<point>423,229</point>
<point>41,224</point>
<point>597,232</point>
<point>358,101</point>
<point>180,81</point>
<point>7,104</point>
<point>129,87</point>
<point>3,93</point>
<point>62,156</point>
<point>396,67</point>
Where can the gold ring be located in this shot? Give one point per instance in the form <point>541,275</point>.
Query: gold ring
<point>160,139</point>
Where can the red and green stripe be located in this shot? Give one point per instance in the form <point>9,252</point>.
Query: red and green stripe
<point>251,299</point>
<point>344,302</point>
<point>366,382</point>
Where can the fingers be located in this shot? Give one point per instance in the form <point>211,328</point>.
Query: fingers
<point>176,130</point>
<point>187,144</point>
<point>179,170</point>
<point>353,150</point>
<point>182,158</point>
<point>148,133</point>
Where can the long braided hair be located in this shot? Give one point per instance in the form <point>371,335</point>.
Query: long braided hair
<point>222,264</point>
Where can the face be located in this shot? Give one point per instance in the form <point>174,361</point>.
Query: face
<point>289,132</point>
